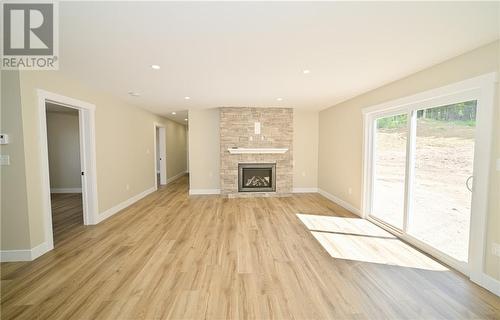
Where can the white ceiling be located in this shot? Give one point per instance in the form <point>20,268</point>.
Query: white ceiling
<point>251,53</point>
<point>179,116</point>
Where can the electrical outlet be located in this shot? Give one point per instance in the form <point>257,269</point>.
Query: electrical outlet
<point>303,173</point>
<point>495,249</point>
<point>498,164</point>
<point>127,187</point>
<point>349,190</point>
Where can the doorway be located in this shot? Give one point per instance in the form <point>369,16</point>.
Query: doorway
<point>87,157</point>
<point>426,170</point>
<point>160,156</point>
<point>63,143</point>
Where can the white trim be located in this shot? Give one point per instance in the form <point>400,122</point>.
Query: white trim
<point>65,190</point>
<point>305,190</point>
<point>86,115</point>
<point>419,98</point>
<point>256,150</point>
<point>482,89</point>
<point>26,254</point>
<point>480,187</point>
<point>117,208</point>
<point>344,204</point>
<point>489,283</point>
<point>203,191</point>
<point>40,249</point>
<point>177,176</point>
<point>15,255</point>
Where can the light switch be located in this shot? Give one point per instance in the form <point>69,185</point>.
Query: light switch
<point>257,127</point>
<point>4,138</point>
<point>4,160</point>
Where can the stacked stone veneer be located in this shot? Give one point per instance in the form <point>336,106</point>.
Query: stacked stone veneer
<point>237,130</point>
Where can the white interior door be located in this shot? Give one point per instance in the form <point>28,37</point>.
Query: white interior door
<point>162,155</point>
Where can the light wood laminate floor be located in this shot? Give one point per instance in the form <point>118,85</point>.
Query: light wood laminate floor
<point>67,215</point>
<point>174,256</point>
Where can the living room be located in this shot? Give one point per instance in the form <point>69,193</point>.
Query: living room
<point>251,160</point>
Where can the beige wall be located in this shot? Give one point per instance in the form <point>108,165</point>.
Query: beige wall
<point>124,152</point>
<point>14,222</point>
<point>204,160</point>
<point>64,149</point>
<point>176,148</point>
<point>340,132</point>
<point>305,149</point>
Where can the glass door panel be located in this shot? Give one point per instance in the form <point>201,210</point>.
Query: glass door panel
<point>441,201</point>
<point>389,169</point>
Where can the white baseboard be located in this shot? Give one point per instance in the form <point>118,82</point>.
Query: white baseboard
<point>346,205</point>
<point>26,254</point>
<point>177,176</point>
<point>203,191</point>
<point>65,190</point>
<point>111,211</point>
<point>489,283</point>
<point>305,190</point>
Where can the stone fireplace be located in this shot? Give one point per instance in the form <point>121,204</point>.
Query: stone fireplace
<point>256,151</point>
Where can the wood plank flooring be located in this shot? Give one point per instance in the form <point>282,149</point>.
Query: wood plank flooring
<point>179,257</point>
<point>67,215</point>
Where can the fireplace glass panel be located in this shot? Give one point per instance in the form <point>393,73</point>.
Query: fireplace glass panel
<point>256,177</point>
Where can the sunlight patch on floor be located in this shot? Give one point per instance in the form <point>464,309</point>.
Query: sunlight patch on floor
<point>360,240</point>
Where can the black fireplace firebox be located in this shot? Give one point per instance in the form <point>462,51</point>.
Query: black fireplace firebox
<point>256,177</point>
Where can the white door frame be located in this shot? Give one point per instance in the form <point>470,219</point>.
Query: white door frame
<point>86,117</point>
<point>163,154</point>
<point>482,89</point>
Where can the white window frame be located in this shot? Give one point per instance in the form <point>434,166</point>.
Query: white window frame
<point>482,89</point>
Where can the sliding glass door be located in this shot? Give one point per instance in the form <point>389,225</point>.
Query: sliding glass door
<point>421,173</point>
<point>389,169</point>
<point>441,199</point>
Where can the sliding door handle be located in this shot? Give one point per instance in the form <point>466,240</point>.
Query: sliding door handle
<point>468,183</point>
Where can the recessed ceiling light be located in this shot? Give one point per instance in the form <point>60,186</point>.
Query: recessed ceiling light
<point>186,119</point>
<point>155,66</point>
<point>174,113</point>
<point>134,94</point>
<point>306,71</point>
<point>187,98</point>
<point>279,99</point>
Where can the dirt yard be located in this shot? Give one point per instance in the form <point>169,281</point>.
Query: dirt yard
<point>441,207</point>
